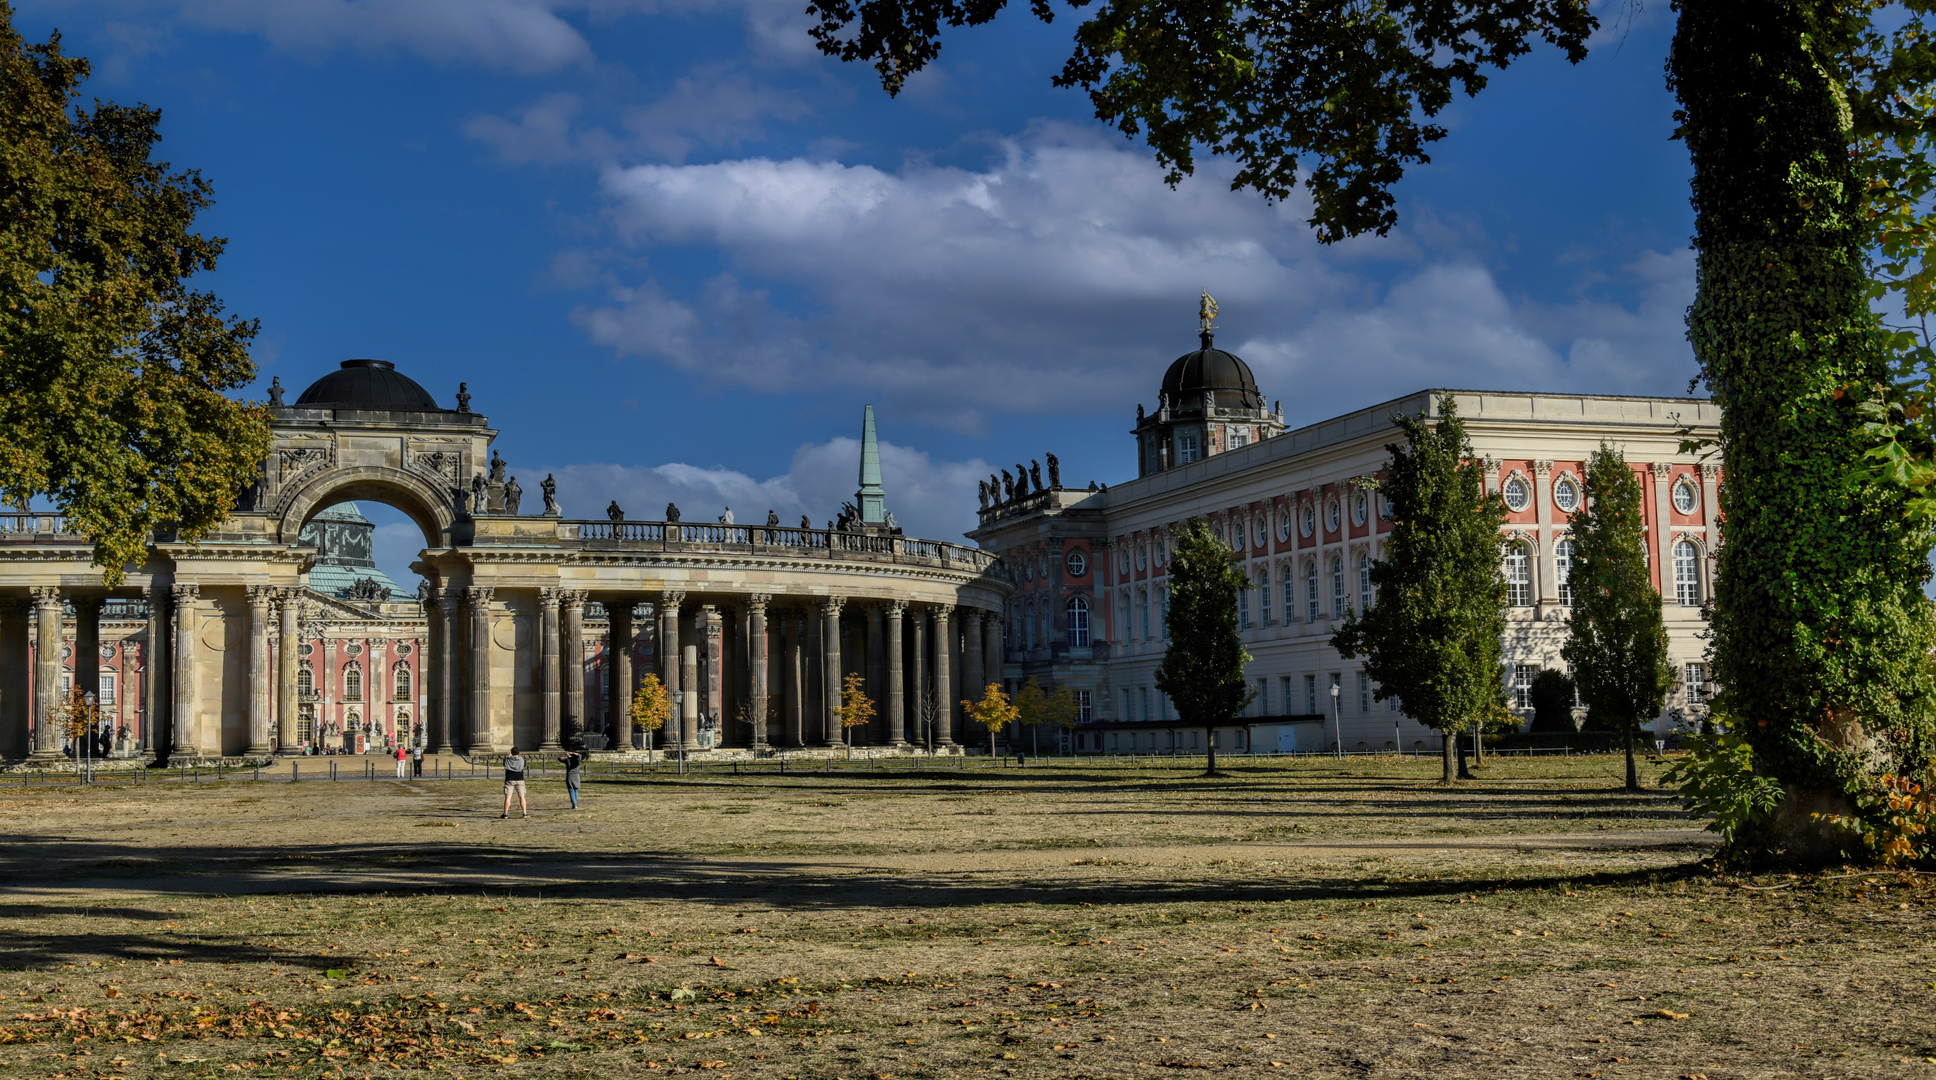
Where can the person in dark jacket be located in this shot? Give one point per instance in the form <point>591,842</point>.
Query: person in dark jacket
<point>514,782</point>
<point>573,761</point>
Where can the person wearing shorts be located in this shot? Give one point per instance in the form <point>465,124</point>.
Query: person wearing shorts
<point>514,782</point>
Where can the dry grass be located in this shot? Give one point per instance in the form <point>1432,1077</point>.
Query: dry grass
<point>1310,918</point>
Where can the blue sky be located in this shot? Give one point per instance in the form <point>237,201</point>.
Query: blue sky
<point>673,250</point>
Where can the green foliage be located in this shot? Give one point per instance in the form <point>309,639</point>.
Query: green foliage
<point>1717,780</point>
<point>1821,631</point>
<point>1353,85</point>
<point>1433,638</point>
<point>1203,670</point>
<point>1616,638</point>
<point>112,369</point>
<point>1552,696</point>
<point>1060,709</point>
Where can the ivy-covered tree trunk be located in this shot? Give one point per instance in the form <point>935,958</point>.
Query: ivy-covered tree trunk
<point>1822,633</point>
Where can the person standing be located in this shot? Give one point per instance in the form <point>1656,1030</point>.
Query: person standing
<point>416,760</point>
<point>400,759</point>
<point>572,761</point>
<point>514,782</point>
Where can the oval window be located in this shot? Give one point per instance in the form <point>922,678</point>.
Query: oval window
<point>1122,558</point>
<point>1077,565</point>
<point>1307,519</point>
<point>1384,507</point>
<point>1332,518</point>
<point>1283,527</point>
<point>1517,497</point>
<point>1566,494</point>
<point>1159,552</point>
<point>1237,536</point>
<point>1142,556</point>
<point>1359,509</point>
<point>1684,498</point>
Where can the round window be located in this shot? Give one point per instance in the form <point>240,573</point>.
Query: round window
<point>1307,519</point>
<point>1077,565</point>
<point>1237,536</point>
<point>107,652</point>
<point>1159,553</point>
<point>1384,507</point>
<point>1685,500</point>
<point>353,648</point>
<point>1566,494</point>
<point>1359,508</point>
<point>1122,558</point>
<point>1142,556</point>
<point>304,649</point>
<point>1517,497</point>
<point>1283,527</point>
<point>1332,518</point>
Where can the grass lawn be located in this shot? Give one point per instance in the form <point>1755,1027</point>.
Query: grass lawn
<point>1308,918</point>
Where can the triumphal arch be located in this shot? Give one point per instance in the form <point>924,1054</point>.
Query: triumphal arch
<point>753,626</point>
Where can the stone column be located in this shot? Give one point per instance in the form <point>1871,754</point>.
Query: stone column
<point>894,690</point>
<point>1547,578</point>
<point>288,657</point>
<point>14,711</point>
<point>449,707</point>
<point>478,598</point>
<point>973,679</point>
<point>618,665</point>
<point>672,664</point>
<point>262,600</point>
<point>796,697</point>
<point>1711,514</point>
<point>991,649</point>
<point>710,628</point>
<point>47,665</point>
<point>944,648</point>
<point>548,667</point>
<point>830,666</point>
<point>756,660</point>
<point>187,722</point>
<point>876,672</point>
<point>919,687</point>
<point>156,690</point>
<point>689,704</point>
<point>573,660</point>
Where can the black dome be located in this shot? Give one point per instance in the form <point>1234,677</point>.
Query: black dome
<point>1210,368</point>
<point>367,384</point>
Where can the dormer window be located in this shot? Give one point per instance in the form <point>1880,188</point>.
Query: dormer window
<point>1186,449</point>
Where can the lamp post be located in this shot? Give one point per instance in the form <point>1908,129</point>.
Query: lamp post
<point>88,713</point>
<point>1337,721</point>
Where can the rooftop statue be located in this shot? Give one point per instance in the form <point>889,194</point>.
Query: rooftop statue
<point>772,517</point>
<point>981,490</point>
<point>727,517</point>
<point>497,468</point>
<point>275,393</point>
<point>1021,479</point>
<point>512,494</point>
<point>1206,314</point>
<point>1008,487</point>
<point>1035,473</point>
<point>477,494</point>
<point>614,512</point>
<point>1055,472</point>
<point>463,397</point>
<point>672,512</point>
<point>806,522</point>
<point>550,489</point>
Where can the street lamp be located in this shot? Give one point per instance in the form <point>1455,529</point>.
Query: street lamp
<point>1337,722</point>
<point>88,699</point>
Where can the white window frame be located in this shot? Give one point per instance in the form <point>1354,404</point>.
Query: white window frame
<point>1687,573</point>
<point>1519,575</point>
<point>1563,571</point>
<point>1313,612</point>
<point>1264,595</point>
<point>1516,494</point>
<point>1078,632</point>
<point>1365,594</point>
<point>1340,604</point>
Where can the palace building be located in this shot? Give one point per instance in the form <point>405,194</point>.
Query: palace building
<point>1088,567</point>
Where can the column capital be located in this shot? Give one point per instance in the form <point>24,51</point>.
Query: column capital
<point>1543,469</point>
<point>972,615</point>
<point>756,602</point>
<point>449,599</point>
<point>186,593</point>
<point>1710,473</point>
<point>1662,469</point>
<point>895,608</point>
<point>830,605</point>
<point>942,611</point>
<point>261,596</point>
<point>45,595</point>
<point>670,600</point>
<point>572,599</point>
<point>479,594</point>
<point>550,597</point>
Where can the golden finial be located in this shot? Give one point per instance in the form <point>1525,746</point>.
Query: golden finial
<point>1206,313</point>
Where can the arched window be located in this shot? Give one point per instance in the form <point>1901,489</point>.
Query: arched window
<point>1125,630</point>
<point>1243,607</point>
<point>1142,601</point>
<point>1339,605</point>
<point>400,678</point>
<point>305,679</point>
<point>1264,595</point>
<point>1079,622</point>
<point>1519,576</point>
<point>1042,622</point>
<point>353,682</point>
<point>1290,594</point>
<point>1312,610</point>
<point>1364,581</point>
<point>1563,571</point>
<point>1028,624</point>
<point>1687,573</point>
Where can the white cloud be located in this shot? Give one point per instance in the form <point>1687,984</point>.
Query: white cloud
<point>1064,274</point>
<point>525,36</point>
<point>710,107</point>
<point>925,495</point>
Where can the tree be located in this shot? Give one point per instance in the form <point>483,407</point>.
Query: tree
<point>856,708</point>
<point>1432,639</point>
<point>1810,127</point>
<point>928,712</point>
<point>1202,671</point>
<point>1031,706</point>
<point>651,707</point>
<point>112,369</point>
<point>993,711</point>
<point>1061,711</point>
<point>1616,640</point>
<point>1552,694</point>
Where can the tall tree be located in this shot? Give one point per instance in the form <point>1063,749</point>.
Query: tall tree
<point>1432,639</point>
<point>1616,639</point>
<point>651,707</point>
<point>112,369</point>
<point>1202,672</point>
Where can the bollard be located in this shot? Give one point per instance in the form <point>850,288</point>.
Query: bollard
<point>295,771</point>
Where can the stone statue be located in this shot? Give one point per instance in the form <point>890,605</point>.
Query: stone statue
<point>1021,479</point>
<point>672,512</point>
<point>981,490</point>
<point>1279,409</point>
<point>995,488</point>
<point>772,517</point>
<point>550,489</point>
<point>1035,473</point>
<point>512,494</point>
<point>1008,487</point>
<point>887,519</point>
<point>1092,486</point>
<point>727,517</point>
<point>806,522</point>
<point>497,468</point>
<point>1139,415</point>
<point>275,393</point>
<point>1055,472</point>
<point>477,494</point>
<point>614,512</point>
<point>463,397</point>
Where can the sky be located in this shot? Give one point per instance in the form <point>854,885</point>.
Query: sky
<point>673,250</point>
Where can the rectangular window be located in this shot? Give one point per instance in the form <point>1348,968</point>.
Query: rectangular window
<point>1239,436</point>
<point>1124,631</point>
<point>1186,449</point>
<point>1284,687</point>
<point>1339,607</point>
<point>1522,685</point>
<point>1311,592</point>
<point>1083,713</point>
<point>1261,707</point>
<point>1147,714</point>
<point>1163,610</point>
<point>1563,571</point>
<point>1290,597</point>
<point>1695,680</point>
<point>1364,693</point>
<point>1243,608</point>
<point>1310,695</point>
<point>107,688</point>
